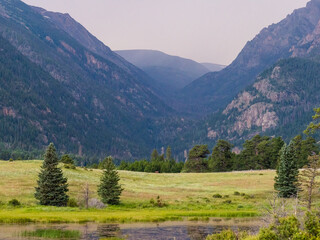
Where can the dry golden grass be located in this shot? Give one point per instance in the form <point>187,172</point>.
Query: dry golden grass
<point>19,178</point>
<point>186,195</point>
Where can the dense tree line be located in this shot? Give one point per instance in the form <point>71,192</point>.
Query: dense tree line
<point>260,152</point>
<point>19,154</point>
<point>158,163</point>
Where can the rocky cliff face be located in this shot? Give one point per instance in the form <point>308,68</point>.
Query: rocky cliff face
<point>279,102</point>
<point>296,35</point>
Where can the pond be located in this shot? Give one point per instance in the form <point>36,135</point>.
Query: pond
<point>192,230</point>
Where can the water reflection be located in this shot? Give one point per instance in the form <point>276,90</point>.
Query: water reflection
<point>197,232</point>
<point>109,230</point>
<point>162,231</point>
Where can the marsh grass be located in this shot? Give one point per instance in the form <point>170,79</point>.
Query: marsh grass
<point>52,233</point>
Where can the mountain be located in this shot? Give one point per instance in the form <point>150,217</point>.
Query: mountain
<point>279,103</point>
<point>60,84</point>
<point>169,72</point>
<point>213,67</point>
<point>66,23</point>
<point>279,41</point>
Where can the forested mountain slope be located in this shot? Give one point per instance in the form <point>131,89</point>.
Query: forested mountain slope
<point>214,90</point>
<point>279,103</point>
<point>96,103</point>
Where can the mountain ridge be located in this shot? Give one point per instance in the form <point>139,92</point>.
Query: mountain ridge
<point>113,106</point>
<point>168,71</point>
<point>279,103</point>
<point>213,90</point>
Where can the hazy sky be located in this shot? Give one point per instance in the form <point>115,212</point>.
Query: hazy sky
<point>203,30</point>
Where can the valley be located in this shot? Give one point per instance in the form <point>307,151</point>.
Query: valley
<point>142,144</point>
<point>126,110</point>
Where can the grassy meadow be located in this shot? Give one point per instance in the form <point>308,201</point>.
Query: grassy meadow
<point>187,195</point>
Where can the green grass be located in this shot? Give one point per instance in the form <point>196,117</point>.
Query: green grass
<point>187,195</point>
<point>52,233</point>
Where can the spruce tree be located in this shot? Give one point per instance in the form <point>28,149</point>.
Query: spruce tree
<point>286,181</point>
<point>221,160</point>
<point>67,159</point>
<point>168,154</point>
<point>154,155</point>
<point>196,159</point>
<point>52,186</point>
<point>308,180</point>
<point>109,189</point>
<point>315,125</point>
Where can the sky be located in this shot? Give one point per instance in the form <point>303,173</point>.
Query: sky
<point>203,30</point>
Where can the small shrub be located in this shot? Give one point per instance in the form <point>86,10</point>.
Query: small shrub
<point>248,196</point>
<point>10,160</point>
<point>226,196</point>
<point>227,202</point>
<point>96,203</point>
<point>14,202</point>
<point>242,194</point>
<point>160,203</point>
<point>228,235</point>
<point>69,166</point>
<point>217,195</point>
<point>72,203</point>
<point>66,159</point>
<point>236,193</point>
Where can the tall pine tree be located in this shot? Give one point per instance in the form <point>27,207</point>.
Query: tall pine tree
<point>109,189</point>
<point>196,159</point>
<point>52,186</point>
<point>221,160</point>
<point>168,154</point>
<point>315,125</point>
<point>286,181</point>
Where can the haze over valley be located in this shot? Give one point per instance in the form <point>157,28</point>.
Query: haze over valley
<point>128,102</point>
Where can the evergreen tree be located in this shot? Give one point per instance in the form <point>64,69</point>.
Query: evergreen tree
<point>168,154</point>
<point>308,181</point>
<point>259,153</point>
<point>315,125</point>
<point>67,159</point>
<point>196,159</point>
<point>154,155</point>
<point>276,145</point>
<point>221,160</point>
<point>109,189</point>
<point>304,149</point>
<point>286,181</point>
<point>52,186</point>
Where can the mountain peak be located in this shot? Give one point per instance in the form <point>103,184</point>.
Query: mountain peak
<point>278,41</point>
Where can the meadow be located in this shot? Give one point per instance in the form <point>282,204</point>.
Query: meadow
<point>192,196</point>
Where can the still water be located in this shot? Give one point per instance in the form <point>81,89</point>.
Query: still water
<point>184,230</point>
